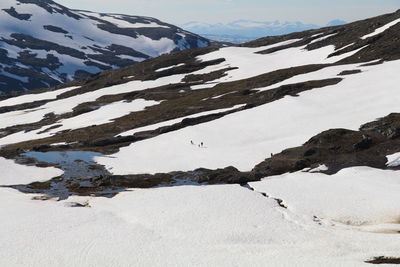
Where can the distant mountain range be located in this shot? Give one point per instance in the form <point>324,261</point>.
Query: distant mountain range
<point>240,31</point>
<point>43,44</point>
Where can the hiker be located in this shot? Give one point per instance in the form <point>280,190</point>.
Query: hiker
<point>202,144</point>
<point>191,141</point>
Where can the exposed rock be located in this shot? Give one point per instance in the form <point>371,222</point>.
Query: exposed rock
<point>349,72</point>
<point>384,260</point>
<point>12,12</point>
<point>338,149</point>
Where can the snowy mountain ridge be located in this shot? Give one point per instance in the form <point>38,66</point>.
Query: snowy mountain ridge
<point>213,156</point>
<point>239,30</point>
<point>43,44</point>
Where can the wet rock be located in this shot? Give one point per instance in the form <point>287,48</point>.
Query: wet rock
<point>365,143</point>
<point>77,205</point>
<point>349,72</point>
<point>310,152</point>
<point>338,149</point>
<point>384,260</point>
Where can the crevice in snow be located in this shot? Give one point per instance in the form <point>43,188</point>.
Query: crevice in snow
<point>384,260</point>
<point>280,202</point>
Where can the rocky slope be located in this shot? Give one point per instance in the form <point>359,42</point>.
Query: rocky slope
<point>43,44</point>
<point>298,134</point>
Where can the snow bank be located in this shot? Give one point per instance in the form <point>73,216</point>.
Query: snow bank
<point>222,225</point>
<point>245,59</point>
<point>28,98</point>
<point>325,73</point>
<point>357,196</point>
<point>323,38</point>
<point>393,160</point>
<point>14,174</point>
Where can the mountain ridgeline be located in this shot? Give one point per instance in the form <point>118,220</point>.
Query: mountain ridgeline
<point>44,44</point>
<point>241,31</point>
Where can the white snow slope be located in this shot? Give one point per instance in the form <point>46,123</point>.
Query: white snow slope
<point>223,225</point>
<point>244,139</point>
<point>12,173</point>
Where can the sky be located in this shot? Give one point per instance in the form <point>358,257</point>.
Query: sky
<point>318,12</point>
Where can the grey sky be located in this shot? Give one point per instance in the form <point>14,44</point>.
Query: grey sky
<point>212,11</point>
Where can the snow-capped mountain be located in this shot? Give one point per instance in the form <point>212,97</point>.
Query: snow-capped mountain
<point>43,44</point>
<point>248,28</point>
<point>241,31</point>
<point>336,22</point>
<point>215,156</point>
<point>229,39</point>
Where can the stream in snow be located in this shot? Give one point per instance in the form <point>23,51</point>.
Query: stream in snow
<point>78,171</point>
<point>75,164</point>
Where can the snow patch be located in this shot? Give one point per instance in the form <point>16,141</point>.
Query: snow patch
<point>15,174</point>
<point>381,29</point>
<point>358,196</point>
<point>393,160</point>
<point>171,67</point>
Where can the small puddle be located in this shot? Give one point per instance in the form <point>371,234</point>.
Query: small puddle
<point>75,164</point>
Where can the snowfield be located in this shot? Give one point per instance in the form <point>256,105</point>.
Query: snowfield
<point>246,138</point>
<point>14,174</point>
<point>393,160</point>
<point>246,58</point>
<point>340,198</point>
<point>65,105</point>
<point>34,97</point>
<point>103,115</point>
<point>222,225</point>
